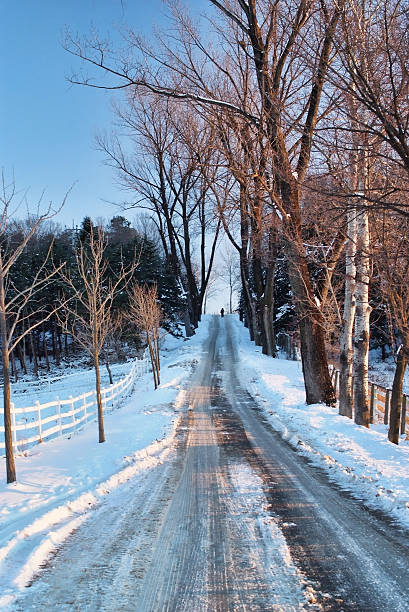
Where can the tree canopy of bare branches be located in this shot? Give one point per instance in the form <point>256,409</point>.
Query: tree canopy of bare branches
<point>145,312</point>
<point>88,312</point>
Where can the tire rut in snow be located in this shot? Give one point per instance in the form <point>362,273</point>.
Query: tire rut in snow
<point>205,557</point>
<point>102,564</point>
<point>355,558</point>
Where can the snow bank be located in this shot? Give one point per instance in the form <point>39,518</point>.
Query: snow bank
<point>360,460</point>
<point>60,481</point>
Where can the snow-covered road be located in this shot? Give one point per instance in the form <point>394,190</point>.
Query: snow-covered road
<point>234,519</point>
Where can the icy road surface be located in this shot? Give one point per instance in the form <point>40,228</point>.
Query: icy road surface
<point>235,520</point>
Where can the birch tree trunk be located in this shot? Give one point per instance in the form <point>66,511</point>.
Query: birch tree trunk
<point>346,340</point>
<point>361,331</point>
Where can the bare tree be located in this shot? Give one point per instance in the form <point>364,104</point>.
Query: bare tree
<point>211,290</point>
<point>288,46</point>
<point>230,273</point>
<point>392,266</point>
<point>374,53</point>
<point>88,315</point>
<point>165,174</point>
<point>145,312</point>
<point>20,312</point>
<point>244,202</point>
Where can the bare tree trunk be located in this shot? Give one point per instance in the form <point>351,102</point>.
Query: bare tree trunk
<point>155,380</point>
<point>244,264</point>
<point>111,381</point>
<point>318,386</point>
<point>260,332</point>
<point>187,323</point>
<point>396,399</point>
<point>21,356</point>
<point>14,372</point>
<point>59,341</point>
<point>118,349</point>
<point>268,311</point>
<point>36,338</point>
<point>248,300</point>
<point>34,354</point>
<point>268,347</point>
<point>101,433</point>
<point>346,340</point>
<point>53,343</point>
<point>45,349</point>
<point>8,438</point>
<point>361,332</point>
<point>24,353</point>
<point>157,357</point>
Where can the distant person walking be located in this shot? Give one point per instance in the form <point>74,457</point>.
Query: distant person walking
<point>222,312</point>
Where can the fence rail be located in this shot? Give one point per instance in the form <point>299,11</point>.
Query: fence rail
<point>42,422</point>
<point>379,402</point>
<point>379,397</point>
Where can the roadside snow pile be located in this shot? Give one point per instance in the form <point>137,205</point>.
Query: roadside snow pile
<point>61,480</point>
<point>361,461</point>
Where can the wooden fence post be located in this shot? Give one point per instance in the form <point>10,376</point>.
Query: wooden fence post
<point>134,367</point>
<point>40,430</point>
<point>403,415</point>
<point>372,404</point>
<point>59,414</point>
<point>13,426</point>
<point>72,408</point>
<point>85,408</point>
<point>387,402</point>
<point>103,399</point>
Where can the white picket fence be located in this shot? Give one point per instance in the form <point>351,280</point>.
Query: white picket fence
<point>42,422</point>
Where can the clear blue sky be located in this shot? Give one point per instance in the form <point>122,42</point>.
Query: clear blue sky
<point>47,126</point>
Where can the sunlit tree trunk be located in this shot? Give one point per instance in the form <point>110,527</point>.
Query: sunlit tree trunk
<point>362,313</point>
<point>8,438</point>
<point>346,340</point>
<point>101,432</point>
<point>396,399</point>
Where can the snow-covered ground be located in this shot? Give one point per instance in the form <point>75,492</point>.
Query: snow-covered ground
<point>61,480</point>
<point>359,460</point>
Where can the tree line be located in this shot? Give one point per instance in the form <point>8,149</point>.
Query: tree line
<point>291,120</point>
